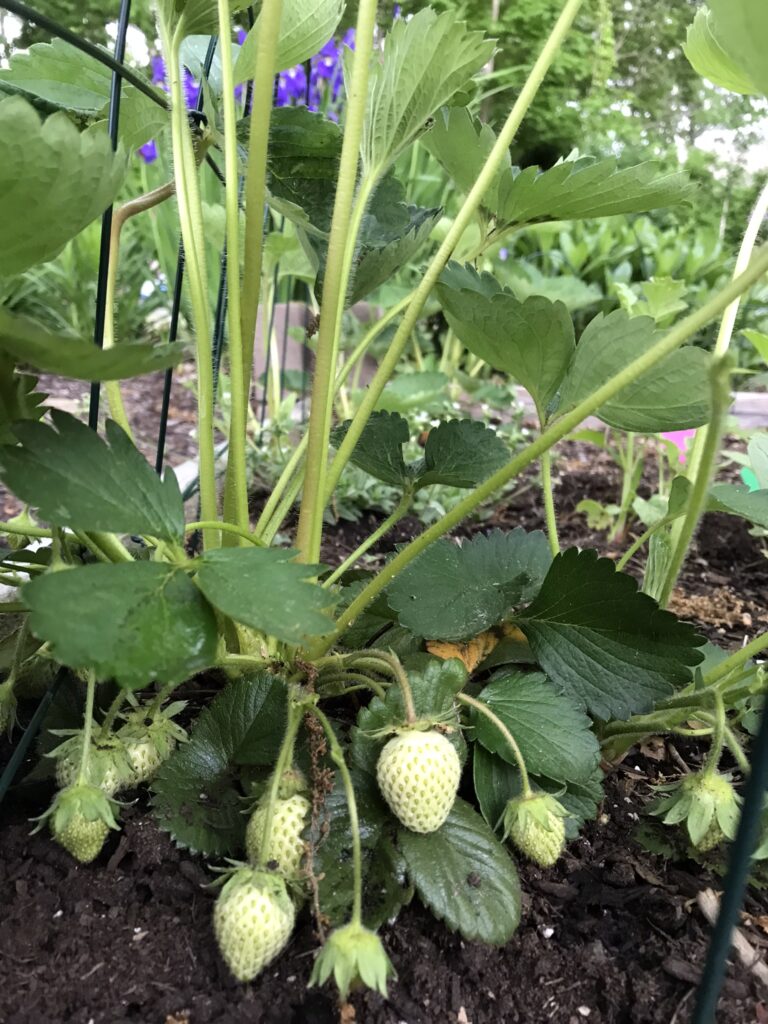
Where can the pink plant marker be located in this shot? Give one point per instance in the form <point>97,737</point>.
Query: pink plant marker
<point>679,439</point>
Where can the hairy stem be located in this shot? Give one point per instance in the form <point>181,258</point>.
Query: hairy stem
<point>85,753</point>
<point>718,736</point>
<point>284,759</point>
<point>400,510</point>
<point>483,709</point>
<point>549,501</point>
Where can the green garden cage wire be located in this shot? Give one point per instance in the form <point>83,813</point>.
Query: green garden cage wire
<point>743,847</point>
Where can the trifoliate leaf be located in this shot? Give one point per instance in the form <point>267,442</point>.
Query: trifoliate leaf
<point>454,593</point>
<point>54,181</point>
<point>608,646</point>
<point>305,27</point>
<point>674,395</point>
<point>265,589</point>
<point>76,479</point>
<point>427,59</point>
<point>532,340</point>
<point>554,735</point>
<point>465,876</point>
<point>194,795</point>
<point>66,356</point>
<point>136,622</point>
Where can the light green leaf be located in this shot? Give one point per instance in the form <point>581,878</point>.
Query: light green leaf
<point>65,77</point>
<point>608,646</point>
<point>54,181</point>
<point>554,735</point>
<point>193,793</point>
<point>461,144</point>
<point>18,399</point>
<point>454,593</point>
<point>757,450</point>
<point>741,29</point>
<point>738,500</point>
<point>136,622</point>
<point>427,60</point>
<point>465,876</point>
<point>194,17</point>
<point>532,340</point>
<point>379,451</point>
<point>706,55</point>
<point>76,479</point>
<point>265,589</point>
<point>674,395</point>
<point>66,356</point>
<point>759,341</point>
<point>305,27</point>
<point>460,453</point>
<point>413,391</point>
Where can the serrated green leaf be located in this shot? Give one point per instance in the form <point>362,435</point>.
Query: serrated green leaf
<point>738,500</point>
<point>496,781</point>
<point>376,264</point>
<point>706,56</point>
<point>460,453</point>
<point>66,356</point>
<point>194,796</point>
<point>454,593</point>
<point>608,646</point>
<point>18,399</point>
<point>379,451</point>
<point>674,395</point>
<point>741,29</point>
<point>759,341</point>
<point>194,17</point>
<point>554,735</point>
<point>78,480</point>
<point>532,340</point>
<point>136,622</point>
<point>410,391</point>
<point>265,589</point>
<point>427,60</point>
<point>305,27</point>
<point>66,78</point>
<point>465,876</point>
<point>54,181</point>
<point>586,188</point>
<point>461,144</point>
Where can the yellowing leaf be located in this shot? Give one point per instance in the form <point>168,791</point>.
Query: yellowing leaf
<point>471,653</point>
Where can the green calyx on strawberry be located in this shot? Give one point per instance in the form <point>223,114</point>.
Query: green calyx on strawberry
<point>80,819</point>
<point>418,773</point>
<point>149,740</point>
<point>354,955</point>
<point>253,920</point>
<point>708,804</point>
<point>17,541</point>
<point>536,827</point>
<point>285,846</point>
<point>7,706</point>
<point>108,766</point>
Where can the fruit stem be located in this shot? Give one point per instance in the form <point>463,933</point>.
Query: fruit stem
<point>111,715</point>
<point>549,501</point>
<point>337,756</point>
<point>737,751</point>
<point>390,664</point>
<point>90,695</point>
<point>358,679</point>
<point>478,705</point>
<point>160,698</point>
<point>284,759</point>
<point>719,726</point>
<point>400,510</point>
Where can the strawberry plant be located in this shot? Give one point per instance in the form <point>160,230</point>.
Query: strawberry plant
<point>373,736</point>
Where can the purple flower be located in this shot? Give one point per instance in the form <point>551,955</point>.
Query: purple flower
<point>282,96</point>
<point>296,82</point>
<point>396,12</point>
<point>191,89</point>
<point>503,253</point>
<point>349,38</point>
<point>241,36</point>
<point>148,151</point>
<point>158,72</point>
<point>325,61</point>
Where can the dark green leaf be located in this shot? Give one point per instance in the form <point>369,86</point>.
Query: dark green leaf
<point>379,450</point>
<point>265,589</point>
<point>65,356</point>
<point>377,263</point>
<point>532,340</point>
<point>136,622</point>
<point>195,796</point>
<point>78,480</point>
<point>607,645</point>
<point>454,593</point>
<point>465,876</point>
<point>460,453</point>
<point>555,737</point>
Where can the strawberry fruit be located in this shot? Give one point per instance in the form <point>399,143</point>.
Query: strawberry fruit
<point>418,774</point>
<point>253,920</point>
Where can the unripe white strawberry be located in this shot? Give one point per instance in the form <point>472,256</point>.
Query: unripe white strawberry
<point>106,765</point>
<point>82,838</point>
<point>143,757</point>
<point>253,920</point>
<point>80,818</point>
<point>418,774</point>
<point>536,826</point>
<point>285,846</point>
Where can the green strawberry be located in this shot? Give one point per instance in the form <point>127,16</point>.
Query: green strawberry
<point>82,838</point>
<point>7,706</point>
<point>106,764</point>
<point>253,920</point>
<point>418,774</point>
<point>536,826</point>
<point>285,843</point>
<point>80,818</point>
<point>143,757</point>
<point>708,804</point>
<point>353,954</point>
<point>149,741</point>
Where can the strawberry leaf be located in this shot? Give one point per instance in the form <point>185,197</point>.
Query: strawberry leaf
<point>136,622</point>
<point>465,876</point>
<point>305,27</point>
<point>555,737</point>
<point>18,399</point>
<point>78,480</point>
<point>454,593</point>
<point>379,450</point>
<point>603,642</point>
<point>460,453</point>
<point>194,795</point>
<point>738,500</point>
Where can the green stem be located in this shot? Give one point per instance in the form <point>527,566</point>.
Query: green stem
<point>90,694</point>
<point>346,219</point>
<point>361,682</point>
<point>389,664</point>
<point>285,506</point>
<point>12,607</point>
<point>110,545</point>
<point>284,759</point>
<point>549,501</point>
<point>635,546</point>
<point>256,177</point>
<point>286,478</point>
<point>25,531</point>
<point>718,735</point>
<point>554,432</point>
<point>230,528</point>
<point>242,661</point>
<point>89,544</point>
<point>478,705</point>
<point>737,751</point>
<point>628,463</point>
<point>236,487</point>
<point>737,659</point>
<point>400,510</point>
<point>498,155</point>
<point>337,756</point>
<point>161,697</point>
<point>111,715</point>
<point>721,400</point>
